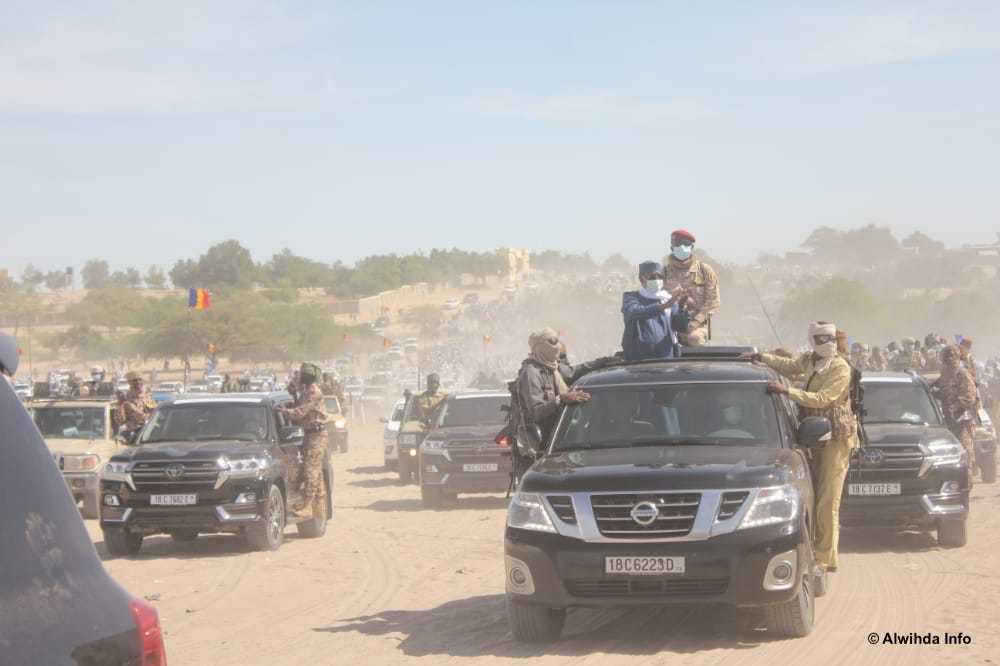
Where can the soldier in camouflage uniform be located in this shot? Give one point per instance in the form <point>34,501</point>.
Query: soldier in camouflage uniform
<point>826,392</point>
<point>431,399</point>
<point>684,271</point>
<point>310,413</point>
<point>133,407</point>
<point>956,391</point>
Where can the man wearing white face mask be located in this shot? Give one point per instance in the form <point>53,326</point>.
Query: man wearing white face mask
<point>647,314</point>
<point>685,271</point>
<point>826,392</point>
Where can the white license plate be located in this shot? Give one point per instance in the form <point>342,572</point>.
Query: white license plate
<point>481,467</point>
<point>643,566</point>
<point>873,489</point>
<point>173,500</point>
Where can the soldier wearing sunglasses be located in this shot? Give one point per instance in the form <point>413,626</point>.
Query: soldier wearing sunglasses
<point>825,392</point>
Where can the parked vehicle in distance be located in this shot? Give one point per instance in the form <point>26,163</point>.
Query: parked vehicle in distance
<point>199,386</point>
<point>58,605</point>
<point>336,424</point>
<point>451,304</point>
<point>510,289</point>
<point>471,298</point>
<point>459,454</point>
<point>214,382</point>
<point>23,390</point>
<point>395,352</point>
<point>410,345</point>
<point>166,391</point>
<point>389,434</point>
<point>211,463</point>
<point>381,322</point>
<point>912,474</point>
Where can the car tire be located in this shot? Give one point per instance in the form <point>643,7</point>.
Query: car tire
<point>951,532</point>
<point>435,497</point>
<point>92,505</point>
<point>269,535</point>
<point>391,466</point>
<point>534,624</point>
<point>987,466</point>
<point>406,472</point>
<point>343,444</point>
<point>184,536</point>
<point>121,541</point>
<point>793,618</point>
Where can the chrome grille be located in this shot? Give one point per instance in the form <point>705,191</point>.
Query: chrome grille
<point>197,474</point>
<point>563,506</point>
<point>676,514</point>
<point>895,459</point>
<point>731,504</point>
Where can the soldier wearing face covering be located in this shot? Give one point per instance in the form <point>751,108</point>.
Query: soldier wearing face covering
<point>825,392</point>
<point>543,383</point>
<point>696,278</point>
<point>956,390</point>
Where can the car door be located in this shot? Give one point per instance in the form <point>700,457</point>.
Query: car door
<point>291,456</point>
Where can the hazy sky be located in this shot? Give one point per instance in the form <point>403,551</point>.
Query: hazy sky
<point>144,132</point>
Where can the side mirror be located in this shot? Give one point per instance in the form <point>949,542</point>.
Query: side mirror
<point>814,432</point>
<point>407,393</point>
<point>290,434</point>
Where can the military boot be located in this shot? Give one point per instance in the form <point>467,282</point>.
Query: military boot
<point>306,511</point>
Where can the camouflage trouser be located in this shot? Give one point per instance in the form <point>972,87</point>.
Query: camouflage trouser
<point>964,433</point>
<point>831,468</point>
<point>694,338</point>
<point>313,451</point>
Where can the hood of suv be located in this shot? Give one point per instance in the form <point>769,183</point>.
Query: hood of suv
<point>902,434</point>
<point>204,449</point>
<point>657,468</point>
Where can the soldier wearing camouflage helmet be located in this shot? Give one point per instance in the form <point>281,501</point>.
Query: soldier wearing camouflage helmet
<point>956,390</point>
<point>310,413</point>
<point>685,271</point>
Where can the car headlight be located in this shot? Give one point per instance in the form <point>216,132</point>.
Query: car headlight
<point>340,424</point>
<point>239,468</point>
<point>410,438</point>
<point>944,452</point>
<point>527,512</point>
<point>117,471</point>
<point>79,463</point>
<point>772,505</point>
<point>436,444</point>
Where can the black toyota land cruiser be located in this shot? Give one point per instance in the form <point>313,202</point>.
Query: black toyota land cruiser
<point>679,481</point>
<point>913,472</point>
<point>210,463</point>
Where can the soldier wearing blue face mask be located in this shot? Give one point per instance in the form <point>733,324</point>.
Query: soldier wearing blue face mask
<point>697,278</point>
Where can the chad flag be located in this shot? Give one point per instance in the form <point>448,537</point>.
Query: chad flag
<point>198,299</point>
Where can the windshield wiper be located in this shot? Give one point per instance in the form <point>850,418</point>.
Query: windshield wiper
<point>904,421</point>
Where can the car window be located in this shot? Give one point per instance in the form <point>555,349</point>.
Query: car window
<point>895,402</point>
<point>198,422</point>
<point>711,414</point>
<point>69,422</point>
<point>473,411</point>
<point>332,404</point>
<point>397,412</point>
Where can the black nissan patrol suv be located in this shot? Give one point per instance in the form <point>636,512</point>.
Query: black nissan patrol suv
<point>459,454</point>
<point>679,481</point>
<point>912,472</point>
<point>210,463</point>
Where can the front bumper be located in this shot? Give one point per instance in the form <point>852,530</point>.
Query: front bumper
<point>943,491</point>
<point>729,568</point>
<point>465,474</point>
<point>215,511</point>
<point>82,484</point>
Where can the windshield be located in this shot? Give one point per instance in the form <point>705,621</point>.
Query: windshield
<point>69,422</point>
<point>332,404</point>
<point>683,414</point>
<point>194,422</point>
<point>397,412</point>
<point>898,403</point>
<point>474,411</point>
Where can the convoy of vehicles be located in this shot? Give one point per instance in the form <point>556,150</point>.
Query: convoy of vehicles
<point>389,434</point>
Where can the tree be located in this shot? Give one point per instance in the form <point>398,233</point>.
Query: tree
<point>31,277</point>
<point>184,274</point>
<point>95,274</point>
<point>56,280</point>
<point>922,244</point>
<point>288,270</point>
<point>617,263</point>
<point>129,277</point>
<point>226,263</point>
<point>155,278</point>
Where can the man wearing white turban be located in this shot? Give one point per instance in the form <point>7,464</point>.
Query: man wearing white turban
<point>825,392</point>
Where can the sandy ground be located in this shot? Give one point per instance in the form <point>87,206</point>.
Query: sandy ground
<point>391,582</point>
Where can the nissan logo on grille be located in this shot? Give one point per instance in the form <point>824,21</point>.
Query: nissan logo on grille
<point>645,513</point>
<point>873,457</point>
<point>174,471</point>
